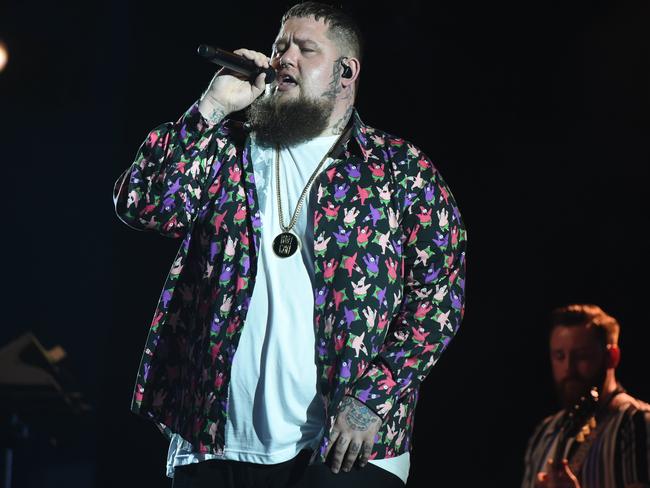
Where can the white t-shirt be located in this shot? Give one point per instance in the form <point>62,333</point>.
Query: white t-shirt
<point>274,409</point>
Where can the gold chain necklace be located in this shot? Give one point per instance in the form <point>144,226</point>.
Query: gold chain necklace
<point>286,243</point>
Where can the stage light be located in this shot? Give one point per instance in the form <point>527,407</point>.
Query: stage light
<point>4,55</point>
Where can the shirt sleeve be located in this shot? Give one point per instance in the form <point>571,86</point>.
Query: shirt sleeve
<point>537,450</point>
<point>633,448</point>
<point>433,297</point>
<point>163,188</point>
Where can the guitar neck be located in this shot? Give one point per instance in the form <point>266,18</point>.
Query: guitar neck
<point>576,420</point>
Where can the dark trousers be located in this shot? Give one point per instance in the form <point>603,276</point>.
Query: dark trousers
<point>295,473</point>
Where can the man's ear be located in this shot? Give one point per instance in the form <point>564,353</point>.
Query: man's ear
<point>613,356</point>
<point>350,71</point>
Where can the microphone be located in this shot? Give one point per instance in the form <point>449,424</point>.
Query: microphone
<point>235,63</point>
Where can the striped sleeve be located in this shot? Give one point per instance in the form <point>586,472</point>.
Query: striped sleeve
<point>538,450</point>
<point>633,447</point>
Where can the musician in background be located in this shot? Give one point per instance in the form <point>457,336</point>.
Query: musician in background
<point>616,453</point>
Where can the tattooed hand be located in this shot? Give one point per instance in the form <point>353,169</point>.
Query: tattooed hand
<point>352,435</point>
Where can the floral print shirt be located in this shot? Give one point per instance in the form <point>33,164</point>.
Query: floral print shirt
<point>389,247</point>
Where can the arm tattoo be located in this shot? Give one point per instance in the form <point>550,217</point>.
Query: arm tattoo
<point>216,115</point>
<point>357,415</point>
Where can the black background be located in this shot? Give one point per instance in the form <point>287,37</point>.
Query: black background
<point>537,115</point>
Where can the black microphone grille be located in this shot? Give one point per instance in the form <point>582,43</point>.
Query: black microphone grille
<point>205,50</point>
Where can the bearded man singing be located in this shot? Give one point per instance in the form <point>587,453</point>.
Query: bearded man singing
<point>319,278</point>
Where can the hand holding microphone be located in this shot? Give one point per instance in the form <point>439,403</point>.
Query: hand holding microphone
<point>235,86</point>
<point>236,63</point>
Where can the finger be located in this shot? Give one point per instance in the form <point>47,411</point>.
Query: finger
<point>333,436</point>
<point>340,448</point>
<point>351,455</point>
<point>568,472</point>
<point>259,59</point>
<point>364,455</point>
<point>227,71</point>
<point>541,480</point>
<point>260,82</point>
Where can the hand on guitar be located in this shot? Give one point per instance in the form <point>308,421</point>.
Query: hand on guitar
<point>557,477</point>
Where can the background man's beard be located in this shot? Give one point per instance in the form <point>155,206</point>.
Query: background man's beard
<point>571,389</point>
<point>290,122</point>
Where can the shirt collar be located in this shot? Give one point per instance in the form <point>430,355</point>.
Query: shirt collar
<point>357,142</point>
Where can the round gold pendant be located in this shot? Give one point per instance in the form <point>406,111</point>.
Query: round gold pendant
<point>285,244</point>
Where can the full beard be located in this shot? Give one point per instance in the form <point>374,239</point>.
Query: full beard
<point>288,123</point>
<point>571,389</point>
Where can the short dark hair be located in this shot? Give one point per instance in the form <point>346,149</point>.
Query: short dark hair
<point>588,316</point>
<point>343,27</point>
